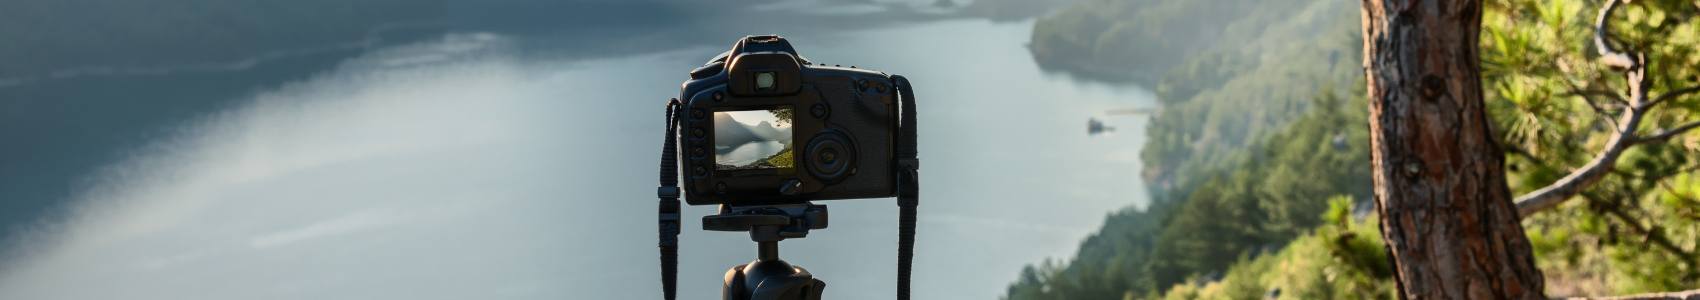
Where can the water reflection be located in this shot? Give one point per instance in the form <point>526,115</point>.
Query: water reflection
<point>457,170</point>
<point>743,155</point>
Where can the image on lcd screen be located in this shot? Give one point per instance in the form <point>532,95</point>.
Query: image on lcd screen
<point>753,139</point>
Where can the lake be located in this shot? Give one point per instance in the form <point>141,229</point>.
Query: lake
<point>478,166</point>
<point>747,153</point>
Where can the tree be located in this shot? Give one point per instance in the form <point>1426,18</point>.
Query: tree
<point>783,114</point>
<point>1448,218</point>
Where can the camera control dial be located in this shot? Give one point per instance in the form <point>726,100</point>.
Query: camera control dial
<point>829,156</point>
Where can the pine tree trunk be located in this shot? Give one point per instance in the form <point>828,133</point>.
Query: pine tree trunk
<point>1447,215</point>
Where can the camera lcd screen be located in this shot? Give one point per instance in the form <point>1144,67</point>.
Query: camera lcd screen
<point>753,139</point>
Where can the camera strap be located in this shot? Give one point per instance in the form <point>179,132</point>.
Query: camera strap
<point>669,205</point>
<point>908,184</point>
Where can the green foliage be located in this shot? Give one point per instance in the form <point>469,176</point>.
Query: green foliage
<point>1538,53</point>
<point>783,115</point>
<point>1250,141</point>
<point>1275,72</point>
<point>1228,72</point>
<point>783,159</point>
<point>1343,259</point>
<point>1592,250</point>
<point>1632,231</point>
<point>1109,265</point>
<point>1271,198</point>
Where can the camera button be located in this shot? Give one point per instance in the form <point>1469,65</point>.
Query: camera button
<point>820,110</point>
<point>790,187</point>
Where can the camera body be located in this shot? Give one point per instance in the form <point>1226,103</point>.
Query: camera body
<point>760,125</point>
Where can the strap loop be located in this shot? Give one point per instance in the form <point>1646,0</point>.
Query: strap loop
<point>667,192</point>
<point>908,184</point>
<point>668,210</point>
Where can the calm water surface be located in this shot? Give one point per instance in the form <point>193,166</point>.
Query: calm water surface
<point>747,153</point>
<point>474,167</point>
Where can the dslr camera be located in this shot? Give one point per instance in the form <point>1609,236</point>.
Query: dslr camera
<point>761,131</point>
<point>762,125</point>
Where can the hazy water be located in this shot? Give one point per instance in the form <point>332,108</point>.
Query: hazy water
<point>464,168</point>
<point>747,153</point>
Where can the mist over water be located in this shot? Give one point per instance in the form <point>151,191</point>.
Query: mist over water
<point>459,168</point>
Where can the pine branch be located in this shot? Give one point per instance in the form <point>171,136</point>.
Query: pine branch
<point>1624,137</point>
<point>1590,173</point>
<point>1609,55</point>
<point>1600,110</point>
<point>1610,95</point>
<point>1667,133</point>
<point>1673,95</point>
<point>1652,234</point>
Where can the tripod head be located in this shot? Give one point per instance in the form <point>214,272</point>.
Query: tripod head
<point>769,222</point>
<point>769,277</point>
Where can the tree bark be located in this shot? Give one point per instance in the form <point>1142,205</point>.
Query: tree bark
<point>1447,215</point>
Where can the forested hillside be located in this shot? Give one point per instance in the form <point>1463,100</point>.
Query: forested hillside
<point>1226,71</point>
<point>1263,122</point>
<point>1231,177</point>
<point>1276,194</point>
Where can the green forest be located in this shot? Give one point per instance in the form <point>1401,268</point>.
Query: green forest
<point>1258,159</point>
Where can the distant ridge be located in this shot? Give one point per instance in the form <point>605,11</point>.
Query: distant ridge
<point>735,133</point>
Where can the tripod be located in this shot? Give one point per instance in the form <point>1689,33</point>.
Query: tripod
<point>768,277</point>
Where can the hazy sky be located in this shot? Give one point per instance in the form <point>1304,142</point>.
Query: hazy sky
<point>755,117</point>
